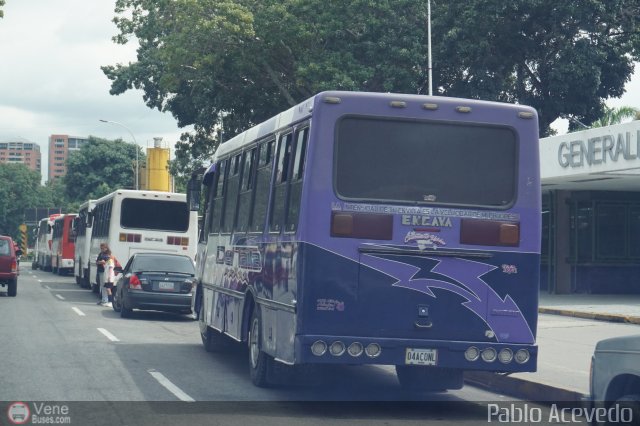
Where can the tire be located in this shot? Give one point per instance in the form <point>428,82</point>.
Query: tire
<point>124,311</point>
<point>12,288</point>
<point>116,303</point>
<point>259,362</point>
<point>213,340</point>
<point>428,379</point>
<point>630,403</point>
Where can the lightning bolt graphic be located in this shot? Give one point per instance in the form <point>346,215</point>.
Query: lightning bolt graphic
<point>501,315</point>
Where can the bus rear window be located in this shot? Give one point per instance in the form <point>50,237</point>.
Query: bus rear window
<point>425,162</point>
<point>154,214</point>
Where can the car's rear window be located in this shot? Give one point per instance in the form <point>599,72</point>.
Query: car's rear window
<point>163,264</point>
<point>5,248</point>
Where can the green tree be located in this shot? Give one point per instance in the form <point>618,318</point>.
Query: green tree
<point>1,12</point>
<point>19,189</point>
<point>616,116</point>
<point>100,167</point>
<point>249,59</point>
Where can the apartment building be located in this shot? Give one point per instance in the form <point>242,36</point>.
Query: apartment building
<point>60,147</point>
<point>20,150</point>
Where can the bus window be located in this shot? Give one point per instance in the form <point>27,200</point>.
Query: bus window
<point>246,190</point>
<point>143,214</point>
<point>263,177</point>
<point>295,193</point>
<point>231,195</point>
<point>278,204</point>
<point>217,206</point>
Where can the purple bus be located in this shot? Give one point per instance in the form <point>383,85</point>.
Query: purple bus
<point>371,228</point>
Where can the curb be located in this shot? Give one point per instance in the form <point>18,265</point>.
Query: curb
<point>629,319</point>
<point>521,388</point>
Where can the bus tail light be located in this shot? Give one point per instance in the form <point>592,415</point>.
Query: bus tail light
<point>362,225</point>
<point>178,241</point>
<point>489,232</point>
<point>130,238</point>
<point>134,283</point>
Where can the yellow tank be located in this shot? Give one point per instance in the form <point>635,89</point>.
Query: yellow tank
<point>158,178</point>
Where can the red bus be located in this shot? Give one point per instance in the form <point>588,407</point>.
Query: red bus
<point>63,244</point>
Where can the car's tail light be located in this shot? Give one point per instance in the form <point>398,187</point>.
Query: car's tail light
<point>134,283</point>
<point>489,232</point>
<point>130,238</point>
<point>178,241</point>
<point>14,266</point>
<point>362,225</point>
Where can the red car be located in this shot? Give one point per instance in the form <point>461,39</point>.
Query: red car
<point>8,266</point>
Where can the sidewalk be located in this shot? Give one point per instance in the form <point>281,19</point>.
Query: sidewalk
<point>565,345</point>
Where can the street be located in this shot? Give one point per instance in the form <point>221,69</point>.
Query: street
<point>58,345</point>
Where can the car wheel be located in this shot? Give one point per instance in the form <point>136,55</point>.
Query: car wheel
<point>116,303</point>
<point>629,402</point>
<point>213,340</point>
<point>12,288</point>
<point>259,361</point>
<point>124,311</point>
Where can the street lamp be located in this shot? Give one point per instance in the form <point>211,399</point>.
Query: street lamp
<point>134,141</point>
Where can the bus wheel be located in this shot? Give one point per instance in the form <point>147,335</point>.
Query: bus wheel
<point>258,360</point>
<point>213,340</point>
<point>428,379</point>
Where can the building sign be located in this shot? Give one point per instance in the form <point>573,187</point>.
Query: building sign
<point>599,150</point>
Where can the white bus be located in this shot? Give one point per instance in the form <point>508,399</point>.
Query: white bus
<point>42,257</point>
<point>142,221</point>
<point>82,229</point>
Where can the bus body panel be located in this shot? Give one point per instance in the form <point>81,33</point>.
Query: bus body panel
<point>63,244</point>
<point>45,235</point>
<point>82,228</point>
<point>426,286</point>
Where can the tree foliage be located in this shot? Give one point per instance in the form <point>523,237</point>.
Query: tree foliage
<point>1,11</point>
<point>19,189</point>
<point>249,59</point>
<point>616,116</point>
<point>100,167</point>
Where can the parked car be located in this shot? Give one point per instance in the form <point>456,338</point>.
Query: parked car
<point>615,377</point>
<point>155,281</point>
<point>8,266</point>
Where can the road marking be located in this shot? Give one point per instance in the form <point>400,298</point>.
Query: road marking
<point>78,311</point>
<point>109,335</point>
<point>59,297</point>
<point>182,396</point>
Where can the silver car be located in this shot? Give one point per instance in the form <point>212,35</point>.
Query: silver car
<point>615,379</point>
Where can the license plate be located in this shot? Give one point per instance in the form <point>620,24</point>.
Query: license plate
<point>421,356</point>
<point>165,285</point>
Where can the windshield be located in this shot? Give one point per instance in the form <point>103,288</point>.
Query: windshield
<point>143,214</point>
<point>425,162</point>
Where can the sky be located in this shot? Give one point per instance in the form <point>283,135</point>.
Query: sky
<point>50,78</point>
<point>51,83</point>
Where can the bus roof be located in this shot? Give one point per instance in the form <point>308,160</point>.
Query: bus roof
<point>132,193</point>
<point>305,108</point>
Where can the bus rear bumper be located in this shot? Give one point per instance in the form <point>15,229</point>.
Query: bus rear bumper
<point>433,353</point>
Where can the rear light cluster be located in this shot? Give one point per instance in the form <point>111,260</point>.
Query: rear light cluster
<point>338,348</point>
<point>178,241</point>
<point>130,238</point>
<point>362,225</point>
<point>505,355</point>
<point>489,232</point>
<point>14,266</point>
<point>135,283</point>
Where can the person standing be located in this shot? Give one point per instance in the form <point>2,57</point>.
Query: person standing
<point>108,279</point>
<point>100,262</point>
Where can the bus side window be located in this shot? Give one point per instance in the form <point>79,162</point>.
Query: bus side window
<point>295,193</point>
<point>216,209</point>
<point>209,196</point>
<point>263,177</point>
<point>231,195</point>
<point>246,189</point>
<point>278,203</point>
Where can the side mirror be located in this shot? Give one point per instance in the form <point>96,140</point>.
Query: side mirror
<point>118,270</point>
